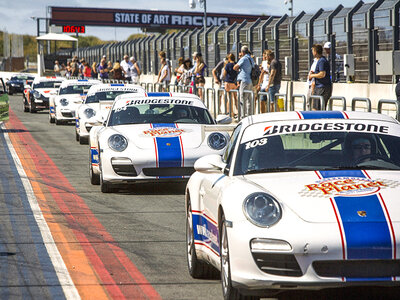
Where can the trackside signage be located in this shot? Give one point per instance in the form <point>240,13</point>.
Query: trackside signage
<point>142,18</point>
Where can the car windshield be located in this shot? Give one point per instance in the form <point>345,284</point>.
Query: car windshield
<point>318,151</point>
<point>46,84</point>
<point>104,96</point>
<point>159,113</point>
<point>74,89</point>
<point>21,77</point>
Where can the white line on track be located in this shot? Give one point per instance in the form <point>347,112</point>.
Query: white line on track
<point>61,270</point>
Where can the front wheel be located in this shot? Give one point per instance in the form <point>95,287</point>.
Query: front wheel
<point>105,187</point>
<point>32,108</point>
<point>197,268</point>
<point>51,119</point>
<point>24,106</point>
<point>228,291</point>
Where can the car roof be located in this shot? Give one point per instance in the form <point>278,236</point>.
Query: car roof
<point>66,83</point>
<point>48,78</point>
<point>317,115</point>
<point>162,98</point>
<point>114,87</point>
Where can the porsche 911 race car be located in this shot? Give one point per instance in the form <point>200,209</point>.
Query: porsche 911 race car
<point>299,200</point>
<point>156,136</point>
<point>62,107</point>
<point>37,96</point>
<point>17,83</point>
<point>96,106</point>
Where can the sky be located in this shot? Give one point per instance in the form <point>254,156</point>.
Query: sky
<point>16,15</point>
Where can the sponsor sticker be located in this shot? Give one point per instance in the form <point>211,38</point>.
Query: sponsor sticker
<point>345,186</point>
<point>163,132</point>
<point>159,101</point>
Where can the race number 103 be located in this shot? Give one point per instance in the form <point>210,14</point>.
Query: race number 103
<point>256,143</point>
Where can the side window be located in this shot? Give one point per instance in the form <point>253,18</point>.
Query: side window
<point>231,145</point>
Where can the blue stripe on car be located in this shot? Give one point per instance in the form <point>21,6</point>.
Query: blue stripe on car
<point>366,237</point>
<point>205,231</point>
<point>307,115</point>
<point>158,95</point>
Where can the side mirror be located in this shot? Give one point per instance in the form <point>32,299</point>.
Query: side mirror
<point>209,163</point>
<point>223,119</point>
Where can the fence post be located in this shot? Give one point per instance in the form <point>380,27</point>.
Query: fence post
<point>320,98</point>
<point>149,87</point>
<point>213,100</point>
<point>284,101</point>
<point>358,99</point>
<point>267,102</point>
<point>331,99</point>
<point>302,97</point>
<point>387,101</point>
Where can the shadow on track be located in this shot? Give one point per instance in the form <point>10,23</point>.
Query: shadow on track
<point>156,188</point>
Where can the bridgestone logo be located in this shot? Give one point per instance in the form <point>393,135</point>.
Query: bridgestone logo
<point>160,101</point>
<point>325,127</point>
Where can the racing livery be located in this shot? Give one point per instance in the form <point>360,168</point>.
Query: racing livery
<point>299,200</point>
<point>96,106</point>
<point>62,106</point>
<point>37,96</point>
<point>156,136</point>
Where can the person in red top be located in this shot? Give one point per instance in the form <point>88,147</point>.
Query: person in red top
<point>87,71</point>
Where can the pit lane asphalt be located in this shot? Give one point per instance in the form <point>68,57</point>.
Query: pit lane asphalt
<point>147,221</point>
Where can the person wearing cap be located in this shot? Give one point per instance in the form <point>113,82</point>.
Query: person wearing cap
<point>127,66</point>
<point>338,61</point>
<point>322,75</point>
<point>135,71</point>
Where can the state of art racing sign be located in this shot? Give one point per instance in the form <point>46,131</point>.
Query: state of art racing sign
<point>142,18</point>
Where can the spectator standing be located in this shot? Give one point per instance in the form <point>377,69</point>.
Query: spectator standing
<point>218,77</point>
<point>199,74</point>
<point>275,78</point>
<point>57,68</point>
<point>117,71</point>
<point>68,70</point>
<point>103,70</point>
<point>164,76</point>
<point>338,61</point>
<point>135,71</point>
<point>263,81</point>
<point>311,83</point>
<point>179,70</point>
<point>126,65</point>
<point>230,75</point>
<point>87,71</point>
<point>323,84</point>
<point>244,67</point>
<point>110,67</point>
<point>187,75</point>
<point>93,72</point>
<point>75,67</point>
<point>82,67</point>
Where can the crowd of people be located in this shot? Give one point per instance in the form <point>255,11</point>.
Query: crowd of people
<point>128,69</point>
<point>240,79</point>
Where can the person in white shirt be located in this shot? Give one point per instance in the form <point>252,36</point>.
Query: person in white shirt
<point>263,81</point>
<point>126,65</point>
<point>164,76</point>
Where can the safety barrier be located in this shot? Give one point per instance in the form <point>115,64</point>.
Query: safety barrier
<point>203,90</point>
<point>333,98</point>
<point>293,102</point>
<point>267,102</point>
<point>245,106</point>
<point>172,87</point>
<point>367,101</point>
<point>214,103</point>
<point>387,101</point>
<point>285,105</point>
<point>317,97</point>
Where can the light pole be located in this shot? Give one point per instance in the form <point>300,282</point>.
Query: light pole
<point>203,3</point>
<point>291,6</point>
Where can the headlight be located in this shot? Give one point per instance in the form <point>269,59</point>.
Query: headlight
<point>89,112</point>
<point>117,142</point>
<point>64,102</point>
<point>36,94</point>
<point>262,209</point>
<point>216,141</point>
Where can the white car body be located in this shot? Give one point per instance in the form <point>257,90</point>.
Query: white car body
<point>38,97</point>
<point>100,108</point>
<point>335,226</point>
<point>155,150</point>
<point>62,107</point>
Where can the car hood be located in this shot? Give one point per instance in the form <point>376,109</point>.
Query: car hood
<point>144,136</point>
<point>76,98</point>
<point>315,196</point>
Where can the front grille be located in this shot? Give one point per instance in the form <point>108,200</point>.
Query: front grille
<point>67,114</point>
<point>186,171</point>
<point>278,264</point>
<point>357,268</point>
<point>124,170</point>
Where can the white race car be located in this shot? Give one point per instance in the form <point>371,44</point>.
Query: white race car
<point>36,97</point>
<point>62,107</point>
<point>156,136</point>
<point>97,105</point>
<point>299,200</point>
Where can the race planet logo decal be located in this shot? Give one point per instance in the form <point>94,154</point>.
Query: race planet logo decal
<point>358,127</point>
<point>163,132</point>
<point>339,186</point>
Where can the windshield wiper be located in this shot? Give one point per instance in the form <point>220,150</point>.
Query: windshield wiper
<point>277,169</point>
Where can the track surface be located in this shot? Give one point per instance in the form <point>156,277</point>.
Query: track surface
<point>129,244</point>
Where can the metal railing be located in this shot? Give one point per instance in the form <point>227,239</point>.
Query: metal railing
<point>387,101</point>
<point>317,97</point>
<point>293,101</point>
<point>367,101</point>
<point>333,98</point>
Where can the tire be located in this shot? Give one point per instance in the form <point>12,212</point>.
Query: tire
<point>57,121</point>
<point>94,178</point>
<point>26,108</point>
<point>51,119</point>
<point>197,269</point>
<point>76,135</point>
<point>228,291</point>
<point>83,140</point>
<point>105,187</point>
<point>32,108</point>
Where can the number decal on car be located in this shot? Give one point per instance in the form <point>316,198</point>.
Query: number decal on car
<point>255,143</point>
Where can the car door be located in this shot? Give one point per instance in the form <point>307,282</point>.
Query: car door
<point>4,104</point>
